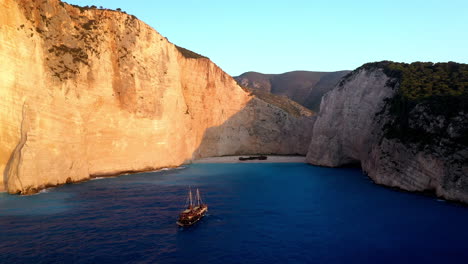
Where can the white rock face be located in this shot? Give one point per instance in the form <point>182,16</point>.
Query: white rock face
<point>350,129</point>
<point>342,131</point>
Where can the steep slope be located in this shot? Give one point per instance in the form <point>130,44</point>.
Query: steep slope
<point>405,124</point>
<point>304,87</point>
<point>91,92</point>
<point>324,85</point>
<point>342,131</point>
<point>283,102</point>
<point>255,81</point>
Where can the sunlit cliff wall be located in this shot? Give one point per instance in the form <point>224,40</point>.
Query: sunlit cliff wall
<point>92,92</point>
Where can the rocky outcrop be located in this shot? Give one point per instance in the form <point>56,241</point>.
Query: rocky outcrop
<point>304,87</point>
<point>89,92</point>
<point>342,131</point>
<point>355,125</point>
<point>268,128</point>
<point>428,163</point>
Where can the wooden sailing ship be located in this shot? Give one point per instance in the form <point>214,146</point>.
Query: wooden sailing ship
<point>194,211</point>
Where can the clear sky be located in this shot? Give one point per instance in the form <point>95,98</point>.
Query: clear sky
<point>327,35</point>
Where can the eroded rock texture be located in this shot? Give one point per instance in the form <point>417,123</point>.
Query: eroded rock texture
<point>353,124</point>
<point>92,92</point>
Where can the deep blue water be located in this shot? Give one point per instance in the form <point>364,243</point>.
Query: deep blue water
<point>258,213</point>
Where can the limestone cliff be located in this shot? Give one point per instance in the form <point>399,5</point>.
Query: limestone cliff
<point>93,92</point>
<point>342,131</point>
<point>416,144</point>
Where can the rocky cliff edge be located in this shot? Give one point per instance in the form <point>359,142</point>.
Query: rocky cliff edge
<point>412,137</point>
<point>89,92</point>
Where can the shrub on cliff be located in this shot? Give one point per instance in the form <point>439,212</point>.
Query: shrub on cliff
<point>432,99</point>
<point>189,54</point>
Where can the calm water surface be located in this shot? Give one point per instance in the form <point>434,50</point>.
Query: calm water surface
<point>259,213</point>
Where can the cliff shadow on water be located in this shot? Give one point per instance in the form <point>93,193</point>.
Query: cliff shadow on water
<point>259,128</point>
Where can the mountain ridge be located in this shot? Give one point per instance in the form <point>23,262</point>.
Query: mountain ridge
<point>304,87</point>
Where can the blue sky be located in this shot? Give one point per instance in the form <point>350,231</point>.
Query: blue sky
<point>327,35</point>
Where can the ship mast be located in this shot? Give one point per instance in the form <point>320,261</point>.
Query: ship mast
<point>198,198</point>
<point>190,198</point>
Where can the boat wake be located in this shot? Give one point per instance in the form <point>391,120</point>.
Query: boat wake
<point>44,191</point>
<point>39,192</point>
<point>168,169</point>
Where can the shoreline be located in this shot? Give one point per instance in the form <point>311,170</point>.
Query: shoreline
<point>235,159</point>
<point>232,160</point>
<point>222,159</point>
<point>91,177</point>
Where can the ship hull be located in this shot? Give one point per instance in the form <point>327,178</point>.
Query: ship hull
<point>188,221</point>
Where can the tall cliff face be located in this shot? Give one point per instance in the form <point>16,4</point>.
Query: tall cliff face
<point>92,92</point>
<point>414,144</point>
<point>342,131</point>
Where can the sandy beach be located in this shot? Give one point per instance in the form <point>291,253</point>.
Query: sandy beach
<point>270,159</point>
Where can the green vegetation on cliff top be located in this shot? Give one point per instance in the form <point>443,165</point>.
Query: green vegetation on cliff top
<point>420,80</point>
<point>88,26</point>
<point>430,104</point>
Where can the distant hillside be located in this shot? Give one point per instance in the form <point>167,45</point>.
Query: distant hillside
<point>304,87</point>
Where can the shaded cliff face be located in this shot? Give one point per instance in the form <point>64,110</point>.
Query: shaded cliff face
<point>268,128</point>
<point>412,144</point>
<point>93,92</point>
<point>342,131</point>
<point>304,87</point>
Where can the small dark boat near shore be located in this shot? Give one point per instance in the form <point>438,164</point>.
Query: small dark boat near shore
<point>254,158</point>
<point>194,212</point>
